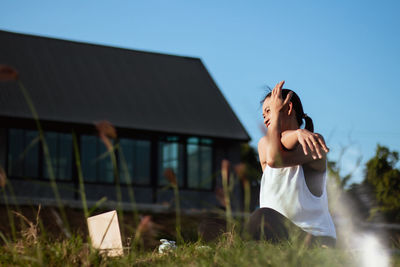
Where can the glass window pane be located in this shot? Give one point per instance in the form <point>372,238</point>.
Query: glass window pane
<point>31,159</point>
<point>142,162</point>
<point>199,166</point>
<point>206,167</point>
<point>65,157</point>
<point>88,157</point>
<point>126,160</point>
<point>136,157</point>
<point>193,140</point>
<point>193,165</point>
<point>51,141</point>
<point>60,153</point>
<point>104,161</point>
<point>206,141</point>
<point>171,156</point>
<point>15,152</point>
<point>172,138</point>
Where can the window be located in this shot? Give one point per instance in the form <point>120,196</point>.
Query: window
<point>191,160</point>
<point>134,161</point>
<point>96,161</point>
<point>60,150</point>
<point>170,156</point>
<point>199,163</point>
<point>23,153</point>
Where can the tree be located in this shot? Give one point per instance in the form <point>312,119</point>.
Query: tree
<point>383,176</point>
<point>249,157</point>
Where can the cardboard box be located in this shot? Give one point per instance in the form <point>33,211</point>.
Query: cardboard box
<point>104,233</point>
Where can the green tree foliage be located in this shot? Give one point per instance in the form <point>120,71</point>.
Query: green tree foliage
<point>334,171</point>
<point>383,176</point>
<point>249,157</point>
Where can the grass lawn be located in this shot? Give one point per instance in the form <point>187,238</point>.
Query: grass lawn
<point>228,250</point>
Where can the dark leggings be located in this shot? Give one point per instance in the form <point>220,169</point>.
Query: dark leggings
<point>268,224</point>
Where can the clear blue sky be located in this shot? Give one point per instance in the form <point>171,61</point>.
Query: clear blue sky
<point>341,57</point>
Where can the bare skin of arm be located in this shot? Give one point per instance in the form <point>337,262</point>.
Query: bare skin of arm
<point>308,140</point>
<point>288,158</point>
<point>311,143</point>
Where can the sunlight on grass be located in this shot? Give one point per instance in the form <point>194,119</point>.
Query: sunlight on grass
<point>229,250</point>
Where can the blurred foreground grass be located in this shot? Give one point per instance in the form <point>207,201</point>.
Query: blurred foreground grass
<point>228,250</point>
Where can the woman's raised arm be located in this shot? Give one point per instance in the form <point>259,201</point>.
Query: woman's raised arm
<point>279,149</point>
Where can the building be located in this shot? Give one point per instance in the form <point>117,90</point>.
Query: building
<point>167,111</point>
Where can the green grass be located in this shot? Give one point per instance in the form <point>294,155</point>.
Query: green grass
<point>229,250</point>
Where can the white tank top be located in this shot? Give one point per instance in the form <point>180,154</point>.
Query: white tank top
<point>285,190</point>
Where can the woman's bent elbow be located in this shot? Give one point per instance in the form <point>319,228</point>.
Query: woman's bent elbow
<point>275,162</point>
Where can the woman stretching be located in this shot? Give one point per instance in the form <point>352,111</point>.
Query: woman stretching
<point>293,185</point>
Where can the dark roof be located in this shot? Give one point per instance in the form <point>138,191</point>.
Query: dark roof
<point>84,83</point>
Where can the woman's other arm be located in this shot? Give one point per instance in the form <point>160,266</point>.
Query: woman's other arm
<point>288,158</point>
<point>307,146</point>
<point>311,142</point>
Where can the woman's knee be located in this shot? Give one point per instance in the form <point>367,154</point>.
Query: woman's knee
<point>266,223</point>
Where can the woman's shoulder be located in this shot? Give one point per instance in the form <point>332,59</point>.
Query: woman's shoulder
<point>262,141</point>
<point>262,145</point>
<point>262,148</point>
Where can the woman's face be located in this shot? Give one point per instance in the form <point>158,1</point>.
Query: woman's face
<point>285,115</point>
<point>266,112</point>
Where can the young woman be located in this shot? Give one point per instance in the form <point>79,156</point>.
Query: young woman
<point>293,185</point>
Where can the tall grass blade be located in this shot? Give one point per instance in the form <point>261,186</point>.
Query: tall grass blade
<point>46,154</point>
<point>4,238</point>
<point>170,175</point>
<point>118,190</point>
<point>107,132</point>
<point>9,214</point>
<point>128,182</point>
<point>179,237</point>
<point>80,176</point>
<point>226,186</point>
<point>96,205</point>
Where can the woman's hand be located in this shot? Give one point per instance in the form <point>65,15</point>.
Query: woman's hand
<point>313,142</point>
<point>277,103</point>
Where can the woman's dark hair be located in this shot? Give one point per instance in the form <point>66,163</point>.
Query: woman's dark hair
<point>298,108</point>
